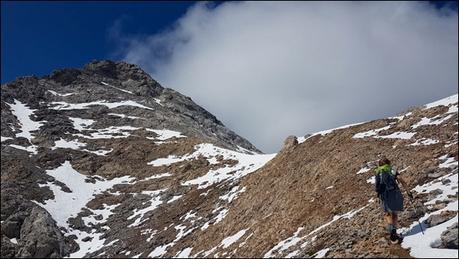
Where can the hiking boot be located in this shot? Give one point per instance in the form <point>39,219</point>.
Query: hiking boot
<point>394,237</point>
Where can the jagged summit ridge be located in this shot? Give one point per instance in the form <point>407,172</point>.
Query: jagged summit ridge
<point>107,81</point>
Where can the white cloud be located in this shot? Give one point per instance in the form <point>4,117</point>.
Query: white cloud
<point>272,69</point>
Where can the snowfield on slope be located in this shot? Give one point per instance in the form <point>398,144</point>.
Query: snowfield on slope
<point>246,164</point>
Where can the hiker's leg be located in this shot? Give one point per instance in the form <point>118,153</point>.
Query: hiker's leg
<point>388,218</point>
<point>389,221</point>
<point>395,219</point>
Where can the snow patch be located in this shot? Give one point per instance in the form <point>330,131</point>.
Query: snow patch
<point>119,89</point>
<point>171,159</point>
<point>321,253</point>
<point>370,133</point>
<point>140,213</point>
<point>371,180</point>
<point>165,134</point>
<point>437,120</point>
<point>81,192</point>
<point>124,116</point>
<point>23,113</point>
<point>399,135</point>
<point>81,124</point>
<point>445,102</point>
<point>295,239</point>
<point>363,170</point>
<point>425,142</point>
<point>106,133</point>
<point>72,144</point>
<point>232,194</point>
<point>110,105</point>
<point>59,94</point>
<point>5,138</point>
<point>226,242</point>
<point>325,132</point>
<point>185,253</point>
<point>247,163</point>
<point>156,176</point>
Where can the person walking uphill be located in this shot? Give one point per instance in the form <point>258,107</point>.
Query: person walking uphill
<point>391,198</point>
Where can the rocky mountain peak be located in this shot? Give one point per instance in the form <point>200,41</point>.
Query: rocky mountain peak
<point>118,82</point>
<point>104,162</point>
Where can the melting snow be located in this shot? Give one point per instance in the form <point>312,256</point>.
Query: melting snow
<point>447,189</point>
<point>122,90</point>
<point>124,116</point>
<point>106,212</point>
<point>363,170</point>
<point>232,239</point>
<point>399,135</point>
<point>232,194</point>
<point>437,120</point>
<point>425,142</point>
<point>105,133</point>
<point>72,144</point>
<point>420,244</point>
<point>5,138</point>
<point>370,133</point>
<point>58,94</point>
<point>22,113</point>
<point>81,192</point>
<point>321,253</point>
<point>221,215</point>
<point>371,180</point>
<point>156,176</point>
<point>445,102</point>
<point>325,132</point>
<point>185,253</point>
<point>80,123</point>
<point>171,159</point>
<point>174,198</point>
<point>110,105</point>
<point>295,239</point>
<point>402,116</point>
<point>139,213</point>
<point>32,149</point>
<point>447,162</point>
<point>158,101</point>
<point>247,163</point>
<point>165,134</point>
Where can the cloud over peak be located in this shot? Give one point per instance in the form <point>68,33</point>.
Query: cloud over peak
<point>271,69</point>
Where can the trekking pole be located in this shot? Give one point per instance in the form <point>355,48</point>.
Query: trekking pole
<point>420,225</point>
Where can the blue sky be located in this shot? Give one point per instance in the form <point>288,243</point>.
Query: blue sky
<point>38,37</point>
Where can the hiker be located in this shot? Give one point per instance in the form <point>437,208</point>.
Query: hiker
<point>390,195</point>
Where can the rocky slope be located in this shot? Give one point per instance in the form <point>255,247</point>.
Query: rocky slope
<point>104,162</point>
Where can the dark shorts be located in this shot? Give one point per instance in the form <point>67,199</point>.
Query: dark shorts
<point>392,201</point>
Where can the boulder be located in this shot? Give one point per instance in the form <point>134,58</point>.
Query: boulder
<point>437,219</point>
<point>449,237</point>
<point>40,236</point>
<point>290,141</point>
